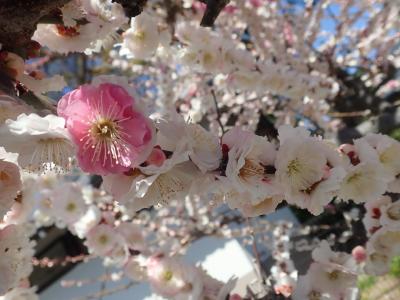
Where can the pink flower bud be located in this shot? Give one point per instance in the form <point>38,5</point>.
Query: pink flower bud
<point>157,157</point>
<point>359,254</point>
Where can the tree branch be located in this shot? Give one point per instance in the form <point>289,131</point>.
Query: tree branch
<point>18,20</point>
<point>218,111</point>
<point>132,8</point>
<point>214,7</point>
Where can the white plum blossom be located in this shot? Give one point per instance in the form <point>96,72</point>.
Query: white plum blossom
<point>309,170</point>
<point>71,13</point>
<point>90,219</point>
<point>135,269</point>
<point>133,236</point>
<point>377,263</point>
<point>390,216</point>
<point>108,17</point>
<point>386,241</point>
<point>143,37</point>
<point>250,173</point>
<point>64,39</point>
<point>387,149</point>
<point>381,248</point>
<point>249,205</point>
<point>159,188</point>
<point>42,143</point>
<point>102,239</point>
<point>362,183</point>
<point>172,278</point>
<point>374,209</point>
<point>68,203</point>
<point>10,181</point>
<point>103,18</point>
<point>330,276</point>
<point>308,289</point>
<point>366,178</point>
<point>250,165</point>
<point>323,254</point>
<point>204,148</point>
<point>153,184</point>
<point>159,182</point>
<point>334,281</point>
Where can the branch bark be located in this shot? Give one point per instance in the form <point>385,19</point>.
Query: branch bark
<point>132,8</point>
<point>213,9</point>
<point>18,20</point>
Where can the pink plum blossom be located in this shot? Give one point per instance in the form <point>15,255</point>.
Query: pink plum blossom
<point>156,157</point>
<point>110,134</point>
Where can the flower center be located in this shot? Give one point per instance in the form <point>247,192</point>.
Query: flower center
<point>104,129</point>
<point>251,168</point>
<point>354,177</point>
<point>103,239</point>
<point>314,295</point>
<point>167,275</point>
<point>394,213</point>
<point>140,35</point>
<point>71,207</point>
<point>378,257</point>
<point>293,168</point>
<point>208,58</point>
<point>389,155</point>
<point>333,275</point>
<point>67,31</point>
<point>106,138</point>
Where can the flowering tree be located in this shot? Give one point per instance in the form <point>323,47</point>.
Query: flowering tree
<point>190,117</point>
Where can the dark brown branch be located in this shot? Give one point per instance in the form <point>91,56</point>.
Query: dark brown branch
<point>18,20</point>
<point>132,8</point>
<point>218,112</point>
<point>173,9</point>
<point>214,7</point>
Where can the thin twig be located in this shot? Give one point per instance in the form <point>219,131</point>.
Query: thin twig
<point>261,272</point>
<point>218,111</point>
<point>350,114</point>
<point>213,9</point>
<point>103,285</point>
<point>107,292</point>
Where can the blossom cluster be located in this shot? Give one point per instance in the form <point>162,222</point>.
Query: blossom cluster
<point>332,275</point>
<point>210,52</point>
<point>283,272</point>
<point>146,162</point>
<point>175,151</point>
<point>382,221</point>
<point>86,26</point>
<point>137,246</point>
